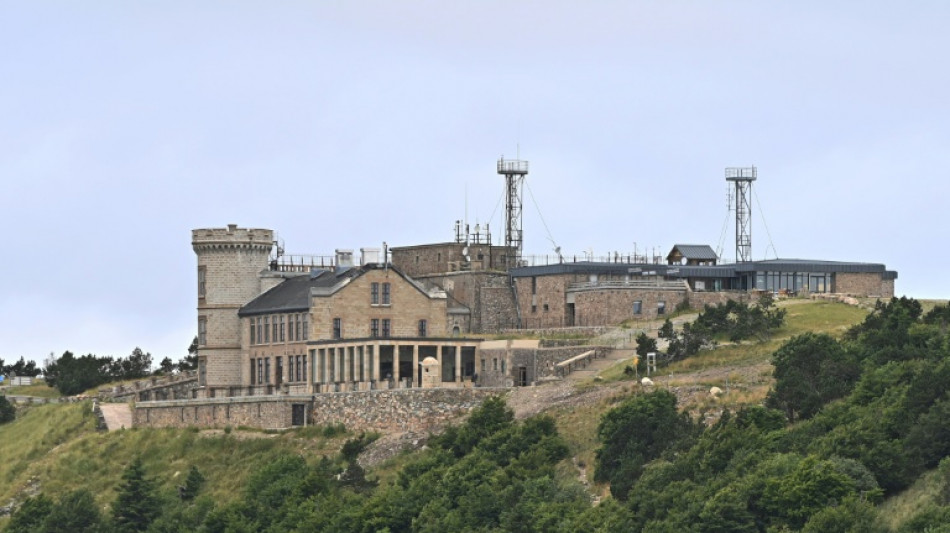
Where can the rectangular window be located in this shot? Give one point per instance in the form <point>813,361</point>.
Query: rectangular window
<point>661,307</point>
<point>279,370</point>
<point>422,328</point>
<point>266,329</point>
<point>534,285</point>
<point>260,338</point>
<point>253,331</point>
<point>297,327</point>
<point>546,308</point>
<point>260,371</point>
<point>483,366</point>
<point>306,330</point>
<point>202,330</point>
<point>374,293</point>
<point>253,372</point>
<point>267,370</point>
<point>386,294</point>
<point>374,328</point>
<point>337,328</point>
<point>201,281</point>
<point>386,327</point>
<point>638,307</point>
<point>281,328</point>
<point>273,321</point>
<point>534,308</point>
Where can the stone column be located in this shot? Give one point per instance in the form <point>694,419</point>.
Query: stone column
<point>415,365</point>
<point>396,364</point>
<point>374,349</point>
<point>458,365</point>
<point>438,355</point>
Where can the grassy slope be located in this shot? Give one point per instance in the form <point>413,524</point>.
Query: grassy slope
<point>58,446</point>
<point>746,366</point>
<point>38,389</point>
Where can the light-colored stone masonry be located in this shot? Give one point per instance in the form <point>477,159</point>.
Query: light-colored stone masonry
<point>391,410</point>
<point>352,305</point>
<point>230,260</point>
<point>867,284</point>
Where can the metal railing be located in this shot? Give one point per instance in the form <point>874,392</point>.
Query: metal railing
<point>679,285</point>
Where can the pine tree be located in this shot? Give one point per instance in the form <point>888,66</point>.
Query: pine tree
<point>136,505</point>
<point>192,484</point>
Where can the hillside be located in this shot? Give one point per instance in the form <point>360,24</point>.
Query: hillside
<point>55,448</point>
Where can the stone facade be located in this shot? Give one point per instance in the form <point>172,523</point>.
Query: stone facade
<point>397,410</point>
<point>351,304</point>
<point>439,258</point>
<point>865,284</point>
<point>486,296</point>
<point>229,263</point>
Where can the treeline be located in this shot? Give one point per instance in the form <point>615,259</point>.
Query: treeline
<point>20,368</point>
<point>734,321</point>
<point>72,375</point>
<point>848,423</point>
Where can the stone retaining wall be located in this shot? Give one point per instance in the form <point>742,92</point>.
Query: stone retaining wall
<point>397,410</point>
<point>257,412</point>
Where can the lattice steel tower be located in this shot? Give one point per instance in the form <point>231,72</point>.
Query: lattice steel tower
<point>514,171</point>
<point>743,178</point>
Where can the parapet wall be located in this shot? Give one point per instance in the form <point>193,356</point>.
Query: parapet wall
<point>256,412</point>
<point>417,410</point>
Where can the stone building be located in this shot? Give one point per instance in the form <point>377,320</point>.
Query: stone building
<point>267,328</point>
<point>599,294</point>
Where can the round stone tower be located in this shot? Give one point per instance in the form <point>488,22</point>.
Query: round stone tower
<point>230,261</point>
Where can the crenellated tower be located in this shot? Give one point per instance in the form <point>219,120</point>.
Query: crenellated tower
<point>230,261</point>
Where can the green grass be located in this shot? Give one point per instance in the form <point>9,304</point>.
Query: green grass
<point>58,446</point>
<point>900,508</point>
<point>39,389</point>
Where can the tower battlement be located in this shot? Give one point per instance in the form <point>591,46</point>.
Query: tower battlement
<point>231,237</point>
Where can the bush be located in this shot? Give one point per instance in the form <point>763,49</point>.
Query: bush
<point>7,410</point>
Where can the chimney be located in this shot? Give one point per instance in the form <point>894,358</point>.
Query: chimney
<point>369,256</point>
<point>344,258</point>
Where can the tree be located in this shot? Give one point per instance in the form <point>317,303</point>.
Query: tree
<point>72,375</point>
<point>20,368</point>
<point>192,485</point>
<point>635,433</point>
<point>136,505</point>
<point>166,366</point>
<point>190,361</point>
<point>645,345</point>
<point>76,512</point>
<point>30,515</point>
<point>7,410</point>
<point>810,371</point>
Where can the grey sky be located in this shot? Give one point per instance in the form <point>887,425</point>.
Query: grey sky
<point>123,125</point>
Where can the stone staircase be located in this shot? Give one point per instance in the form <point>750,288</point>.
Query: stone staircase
<point>597,366</point>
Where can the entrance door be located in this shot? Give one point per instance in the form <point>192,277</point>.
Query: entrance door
<point>298,414</point>
<point>522,376</point>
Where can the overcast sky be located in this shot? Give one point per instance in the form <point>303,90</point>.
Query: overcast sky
<point>123,125</point>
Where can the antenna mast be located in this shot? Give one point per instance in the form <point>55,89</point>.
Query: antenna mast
<point>514,171</point>
<point>743,178</point>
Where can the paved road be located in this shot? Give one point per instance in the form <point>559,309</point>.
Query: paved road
<point>117,415</point>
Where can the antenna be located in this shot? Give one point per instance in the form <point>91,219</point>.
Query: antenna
<point>514,171</point>
<point>743,178</point>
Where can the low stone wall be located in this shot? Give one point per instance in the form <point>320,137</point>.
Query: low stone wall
<point>397,410</point>
<point>172,387</point>
<point>538,363</point>
<point>262,412</point>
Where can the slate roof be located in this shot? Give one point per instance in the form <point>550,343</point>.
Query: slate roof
<point>293,294</point>
<point>701,252</point>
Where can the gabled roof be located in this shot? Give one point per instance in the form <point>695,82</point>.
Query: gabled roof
<point>293,295</point>
<point>701,252</point>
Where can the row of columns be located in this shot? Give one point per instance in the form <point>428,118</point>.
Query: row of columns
<point>349,363</point>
